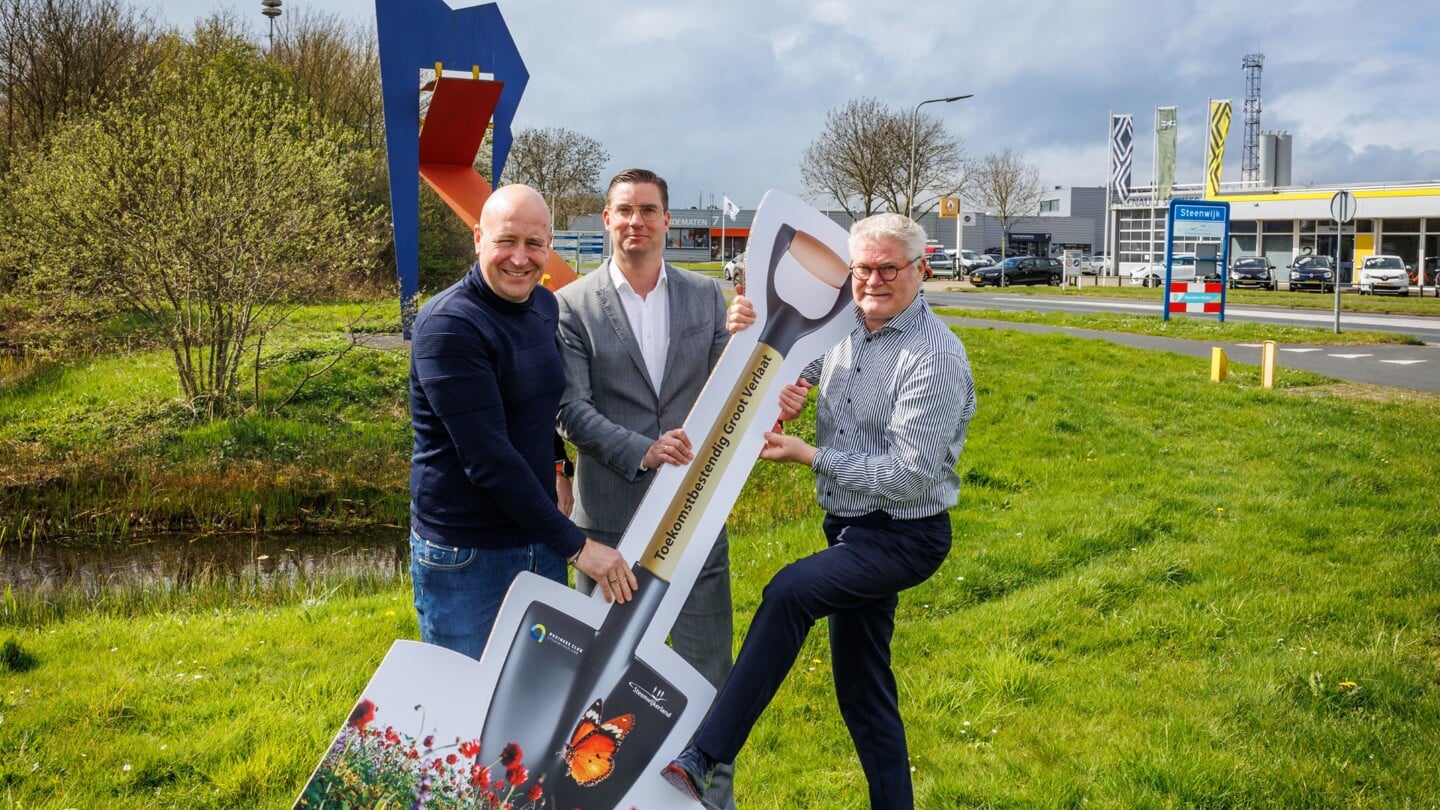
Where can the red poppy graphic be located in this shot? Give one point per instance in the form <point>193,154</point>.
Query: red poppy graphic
<point>362,714</point>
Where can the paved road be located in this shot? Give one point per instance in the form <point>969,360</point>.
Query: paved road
<point>1411,367</point>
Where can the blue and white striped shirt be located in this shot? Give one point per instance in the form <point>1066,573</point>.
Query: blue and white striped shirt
<point>893,408</point>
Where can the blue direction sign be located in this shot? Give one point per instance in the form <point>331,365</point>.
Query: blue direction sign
<point>1199,219</point>
<point>578,246</point>
<point>1205,221</point>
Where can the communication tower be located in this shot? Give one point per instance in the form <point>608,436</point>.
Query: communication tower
<point>1250,164</point>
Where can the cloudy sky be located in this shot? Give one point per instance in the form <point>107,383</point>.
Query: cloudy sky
<point>723,97</point>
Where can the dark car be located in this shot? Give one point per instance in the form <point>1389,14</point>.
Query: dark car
<point>1313,273</point>
<point>1019,270</point>
<point>1252,271</point>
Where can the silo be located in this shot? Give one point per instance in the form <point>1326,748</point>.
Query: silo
<point>1268,149</point>
<point>1282,158</point>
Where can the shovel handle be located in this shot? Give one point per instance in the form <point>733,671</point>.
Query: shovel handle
<point>708,467</point>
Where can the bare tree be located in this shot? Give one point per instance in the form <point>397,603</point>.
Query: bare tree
<point>61,56</point>
<point>337,66</point>
<point>862,160</point>
<point>847,163</point>
<point>561,164</point>
<point>1008,188</point>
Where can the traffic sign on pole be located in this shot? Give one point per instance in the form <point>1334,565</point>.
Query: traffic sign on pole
<point>1342,207</point>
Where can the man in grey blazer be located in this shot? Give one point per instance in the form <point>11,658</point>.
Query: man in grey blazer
<point>638,338</point>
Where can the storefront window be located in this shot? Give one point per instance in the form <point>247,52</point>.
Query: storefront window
<point>687,238</point>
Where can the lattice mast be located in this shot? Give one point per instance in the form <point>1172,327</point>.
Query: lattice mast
<point>1250,163</point>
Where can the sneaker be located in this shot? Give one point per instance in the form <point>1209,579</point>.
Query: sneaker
<point>690,772</point>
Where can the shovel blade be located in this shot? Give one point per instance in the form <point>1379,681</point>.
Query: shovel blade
<point>647,706</point>
<point>539,669</point>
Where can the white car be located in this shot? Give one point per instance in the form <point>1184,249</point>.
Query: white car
<point>1153,274</point>
<point>1095,265</point>
<point>1384,274</point>
<point>735,268</point>
<point>969,260</point>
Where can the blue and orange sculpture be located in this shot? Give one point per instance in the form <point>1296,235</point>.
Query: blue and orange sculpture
<point>428,34</point>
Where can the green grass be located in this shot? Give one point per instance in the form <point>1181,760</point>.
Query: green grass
<point>1188,327</point>
<point>1163,592</point>
<point>102,447</point>
<point>1349,302</point>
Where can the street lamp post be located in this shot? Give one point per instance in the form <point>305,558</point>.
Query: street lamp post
<point>914,134</point>
<point>271,9</point>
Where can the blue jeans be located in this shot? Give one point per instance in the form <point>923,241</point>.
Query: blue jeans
<point>458,591</point>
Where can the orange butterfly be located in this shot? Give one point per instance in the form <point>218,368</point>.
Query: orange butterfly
<point>591,750</point>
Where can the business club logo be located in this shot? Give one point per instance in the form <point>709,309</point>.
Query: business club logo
<point>538,632</point>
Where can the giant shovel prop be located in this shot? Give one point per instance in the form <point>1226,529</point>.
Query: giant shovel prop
<point>591,708</point>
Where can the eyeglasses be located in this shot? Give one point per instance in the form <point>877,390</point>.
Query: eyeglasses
<point>648,213</point>
<point>887,272</point>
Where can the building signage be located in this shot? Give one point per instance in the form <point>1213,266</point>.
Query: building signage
<point>1193,220</point>
<point>694,222</point>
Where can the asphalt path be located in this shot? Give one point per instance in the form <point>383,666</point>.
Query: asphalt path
<point>1409,367</point>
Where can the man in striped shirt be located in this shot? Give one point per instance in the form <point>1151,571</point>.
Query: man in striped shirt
<point>895,399</point>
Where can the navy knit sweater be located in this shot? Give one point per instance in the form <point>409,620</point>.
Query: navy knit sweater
<point>485,383</point>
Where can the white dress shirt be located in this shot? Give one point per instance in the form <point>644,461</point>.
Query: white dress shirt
<point>649,319</point>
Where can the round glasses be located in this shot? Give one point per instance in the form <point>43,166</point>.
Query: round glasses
<point>648,213</point>
<point>887,272</point>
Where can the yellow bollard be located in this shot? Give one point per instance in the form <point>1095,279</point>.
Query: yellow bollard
<point>1219,364</point>
<point>1267,365</point>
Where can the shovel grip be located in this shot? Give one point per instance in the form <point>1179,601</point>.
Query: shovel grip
<point>708,467</point>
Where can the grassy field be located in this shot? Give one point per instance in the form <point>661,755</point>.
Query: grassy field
<point>1186,327</point>
<point>1349,302</point>
<point>1163,593</point>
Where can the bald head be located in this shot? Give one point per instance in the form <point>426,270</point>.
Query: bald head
<point>512,241</point>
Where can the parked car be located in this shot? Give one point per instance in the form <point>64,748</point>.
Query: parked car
<point>1153,274</point>
<point>1383,274</point>
<point>969,260</point>
<point>941,264</point>
<point>1095,265</point>
<point>735,268</point>
<point>1019,270</point>
<point>1252,271</point>
<point>1313,273</point>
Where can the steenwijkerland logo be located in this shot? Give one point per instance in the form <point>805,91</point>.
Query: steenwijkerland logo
<point>538,631</point>
<point>655,696</point>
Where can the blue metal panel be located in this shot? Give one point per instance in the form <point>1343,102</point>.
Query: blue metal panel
<point>414,35</point>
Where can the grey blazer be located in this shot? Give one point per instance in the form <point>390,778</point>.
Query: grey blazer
<point>610,409</point>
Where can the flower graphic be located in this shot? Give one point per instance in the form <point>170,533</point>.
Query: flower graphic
<point>372,766</point>
<point>362,714</point>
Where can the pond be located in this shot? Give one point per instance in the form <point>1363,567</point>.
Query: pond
<point>177,562</point>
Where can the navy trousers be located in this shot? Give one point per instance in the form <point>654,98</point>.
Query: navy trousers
<point>854,582</point>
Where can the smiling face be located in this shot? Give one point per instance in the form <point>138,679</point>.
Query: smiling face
<point>878,299</point>
<point>512,241</point>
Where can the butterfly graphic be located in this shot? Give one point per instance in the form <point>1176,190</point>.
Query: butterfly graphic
<point>591,750</point>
